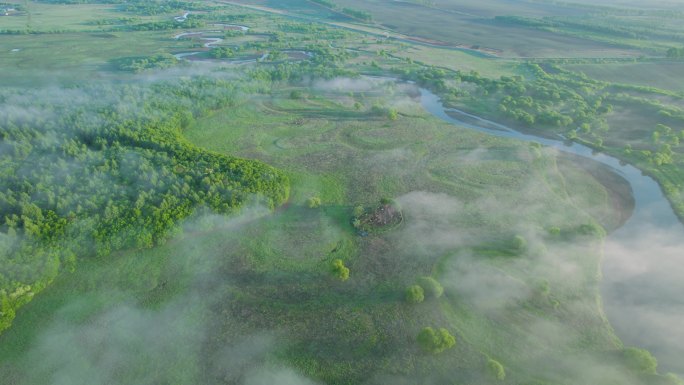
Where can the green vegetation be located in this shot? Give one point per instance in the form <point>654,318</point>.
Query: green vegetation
<point>496,370</point>
<point>415,294</point>
<point>139,64</point>
<point>223,52</point>
<point>675,53</point>
<point>48,221</point>
<point>351,12</point>
<point>358,14</point>
<point>519,243</point>
<point>381,218</point>
<point>640,360</point>
<point>313,202</point>
<point>435,341</point>
<point>615,118</point>
<point>431,287</point>
<point>223,206</point>
<point>339,270</point>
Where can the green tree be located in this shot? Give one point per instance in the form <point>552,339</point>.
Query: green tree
<point>435,341</point>
<point>313,202</point>
<point>415,294</point>
<point>519,243</point>
<point>431,287</point>
<point>296,94</point>
<point>339,270</point>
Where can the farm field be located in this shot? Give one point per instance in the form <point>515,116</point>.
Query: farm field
<point>340,192</point>
<point>660,75</point>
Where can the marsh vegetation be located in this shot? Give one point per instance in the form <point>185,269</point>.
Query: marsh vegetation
<point>253,192</point>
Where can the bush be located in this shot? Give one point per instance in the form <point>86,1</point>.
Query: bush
<point>519,243</point>
<point>496,370</point>
<point>431,287</point>
<point>415,294</point>
<point>640,360</point>
<point>672,379</point>
<point>313,202</point>
<point>339,270</point>
<point>435,341</point>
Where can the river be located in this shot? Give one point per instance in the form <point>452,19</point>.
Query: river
<point>643,282</point>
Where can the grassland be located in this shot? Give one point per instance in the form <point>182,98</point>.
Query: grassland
<point>40,17</point>
<point>664,75</point>
<point>472,26</point>
<point>268,274</point>
<point>512,231</point>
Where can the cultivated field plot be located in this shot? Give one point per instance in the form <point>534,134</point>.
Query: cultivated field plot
<point>665,75</point>
<point>477,28</point>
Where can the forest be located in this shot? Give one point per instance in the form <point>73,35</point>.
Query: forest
<point>82,179</point>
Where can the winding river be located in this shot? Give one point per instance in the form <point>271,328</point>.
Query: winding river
<point>643,267</point>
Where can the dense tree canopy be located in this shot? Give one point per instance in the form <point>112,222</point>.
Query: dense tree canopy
<point>106,168</point>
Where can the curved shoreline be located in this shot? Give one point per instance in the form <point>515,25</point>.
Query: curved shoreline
<point>653,213</point>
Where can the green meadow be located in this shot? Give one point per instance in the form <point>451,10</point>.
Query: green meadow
<point>275,206</point>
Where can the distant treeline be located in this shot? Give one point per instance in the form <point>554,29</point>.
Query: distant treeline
<point>91,170</point>
<point>351,12</point>
<point>675,53</point>
<point>141,63</point>
<point>190,22</point>
<point>600,26</point>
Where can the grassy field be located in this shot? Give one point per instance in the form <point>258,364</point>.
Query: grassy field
<point>58,17</point>
<point>55,58</point>
<point>268,274</point>
<point>475,27</point>
<point>663,75</point>
<point>513,231</point>
<point>458,60</point>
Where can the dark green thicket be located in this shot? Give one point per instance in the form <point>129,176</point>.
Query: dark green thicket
<point>102,169</point>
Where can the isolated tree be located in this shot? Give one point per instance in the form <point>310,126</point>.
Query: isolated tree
<point>339,270</point>
<point>519,243</point>
<point>358,211</point>
<point>555,231</point>
<point>313,202</point>
<point>435,341</point>
<point>415,294</point>
<point>496,370</point>
<point>431,287</point>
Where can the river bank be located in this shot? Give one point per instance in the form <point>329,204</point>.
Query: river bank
<point>637,318</point>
